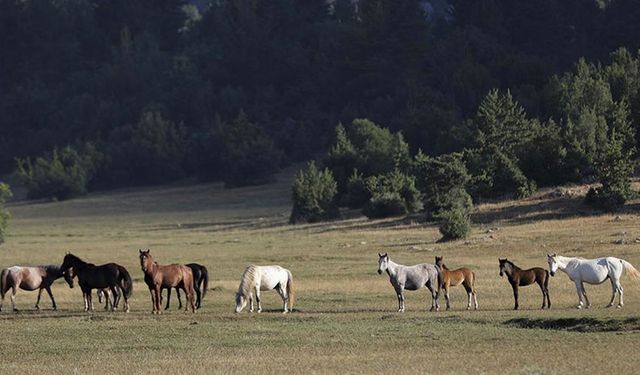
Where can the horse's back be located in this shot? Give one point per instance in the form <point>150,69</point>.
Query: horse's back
<point>271,276</point>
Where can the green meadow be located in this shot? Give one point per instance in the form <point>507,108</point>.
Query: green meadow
<point>344,319</point>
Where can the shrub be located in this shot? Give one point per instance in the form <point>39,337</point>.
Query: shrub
<point>151,151</point>
<point>495,174</point>
<point>357,192</point>
<point>442,182</point>
<point>249,154</point>
<point>5,216</point>
<point>314,196</point>
<point>62,175</point>
<point>456,224</point>
<point>392,194</point>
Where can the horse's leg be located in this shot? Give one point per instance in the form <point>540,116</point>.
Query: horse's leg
<point>400,294</point>
<point>446,295</point>
<point>579,291</point>
<point>258,299</point>
<point>196,288</point>
<point>434,297</point>
<point>544,294</point>
<point>153,299</point>
<point>620,293</point>
<point>116,297</point>
<point>179,300</point>
<point>281,291</point>
<point>166,307</point>
<point>584,293</point>
<point>13,297</point>
<point>469,291</point>
<point>614,289</point>
<point>158,292</point>
<point>38,300</point>
<point>53,301</point>
<point>515,295</point>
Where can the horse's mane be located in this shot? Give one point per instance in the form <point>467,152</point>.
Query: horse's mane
<point>52,268</point>
<point>248,280</point>
<point>513,265</point>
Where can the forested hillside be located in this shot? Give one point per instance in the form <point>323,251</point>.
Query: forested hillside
<point>129,92</point>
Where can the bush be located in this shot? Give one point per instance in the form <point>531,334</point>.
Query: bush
<point>495,174</point>
<point>456,224</point>
<point>392,194</point>
<point>249,155</point>
<point>357,192</point>
<point>442,182</point>
<point>149,152</point>
<point>5,193</point>
<point>314,196</point>
<point>62,175</point>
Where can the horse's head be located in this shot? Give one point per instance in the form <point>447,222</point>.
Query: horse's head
<point>68,261</point>
<point>145,259</point>
<point>503,266</point>
<point>68,275</point>
<point>438,262</point>
<point>553,263</point>
<point>241,302</point>
<point>383,262</point>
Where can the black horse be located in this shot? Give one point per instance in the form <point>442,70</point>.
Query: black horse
<point>110,275</point>
<point>200,278</point>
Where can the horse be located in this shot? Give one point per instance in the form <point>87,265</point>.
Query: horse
<point>411,278</point>
<point>518,277</point>
<point>200,285</point>
<point>106,294</point>
<point>463,276</point>
<point>159,276</point>
<point>31,278</point>
<point>110,275</point>
<point>593,271</point>
<point>257,278</point>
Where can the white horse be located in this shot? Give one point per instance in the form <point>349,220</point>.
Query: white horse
<point>593,271</point>
<point>411,278</point>
<point>257,278</point>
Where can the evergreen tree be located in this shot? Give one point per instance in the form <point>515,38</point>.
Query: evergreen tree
<point>5,216</point>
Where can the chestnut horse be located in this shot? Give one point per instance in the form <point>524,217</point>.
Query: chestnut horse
<point>31,278</point>
<point>200,285</point>
<point>463,276</point>
<point>159,277</point>
<point>518,277</point>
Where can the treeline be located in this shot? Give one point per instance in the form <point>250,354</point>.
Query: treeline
<point>97,94</point>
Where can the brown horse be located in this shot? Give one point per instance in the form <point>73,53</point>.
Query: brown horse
<point>200,285</point>
<point>518,277</point>
<point>31,278</point>
<point>159,277</point>
<point>463,276</point>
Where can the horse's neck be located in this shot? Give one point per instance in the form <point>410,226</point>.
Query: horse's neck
<point>392,268</point>
<point>565,263</point>
<point>444,267</point>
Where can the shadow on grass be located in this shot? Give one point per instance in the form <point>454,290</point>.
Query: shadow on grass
<point>578,324</point>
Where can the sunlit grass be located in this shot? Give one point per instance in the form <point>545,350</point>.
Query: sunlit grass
<point>345,318</point>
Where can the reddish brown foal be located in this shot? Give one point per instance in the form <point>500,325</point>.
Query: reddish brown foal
<point>518,277</point>
<point>463,276</point>
<point>158,277</point>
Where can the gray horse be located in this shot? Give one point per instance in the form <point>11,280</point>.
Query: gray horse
<point>411,278</point>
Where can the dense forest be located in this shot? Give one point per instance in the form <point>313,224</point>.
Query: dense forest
<point>105,93</point>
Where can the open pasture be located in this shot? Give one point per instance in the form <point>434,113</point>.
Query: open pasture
<point>344,319</point>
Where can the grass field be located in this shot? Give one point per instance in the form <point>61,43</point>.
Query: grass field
<point>345,319</point>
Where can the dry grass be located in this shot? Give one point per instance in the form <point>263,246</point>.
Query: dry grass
<point>345,320</point>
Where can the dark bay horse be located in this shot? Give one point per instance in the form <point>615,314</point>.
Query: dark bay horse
<point>159,277</point>
<point>110,275</point>
<point>31,278</point>
<point>200,285</point>
<point>518,277</point>
<point>463,276</point>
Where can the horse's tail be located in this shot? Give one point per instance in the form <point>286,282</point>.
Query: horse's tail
<point>291,294</point>
<point>205,280</point>
<point>633,272</point>
<point>127,283</point>
<point>3,281</point>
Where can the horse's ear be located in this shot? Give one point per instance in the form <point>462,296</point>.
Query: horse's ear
<point>554,255</point>
<point>380,255</point>
<point>140,251</point>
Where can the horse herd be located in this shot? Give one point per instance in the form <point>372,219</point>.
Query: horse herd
<point>437,277</point>
<point>113,282</point>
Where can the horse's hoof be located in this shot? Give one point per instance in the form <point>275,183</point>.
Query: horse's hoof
<point>37,307</point>
<point>619,307</point>
<point>579,307</point>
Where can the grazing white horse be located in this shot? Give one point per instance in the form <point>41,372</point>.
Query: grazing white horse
<point>257,278</point>
<point>411,278</point>
<point>593,271</point>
